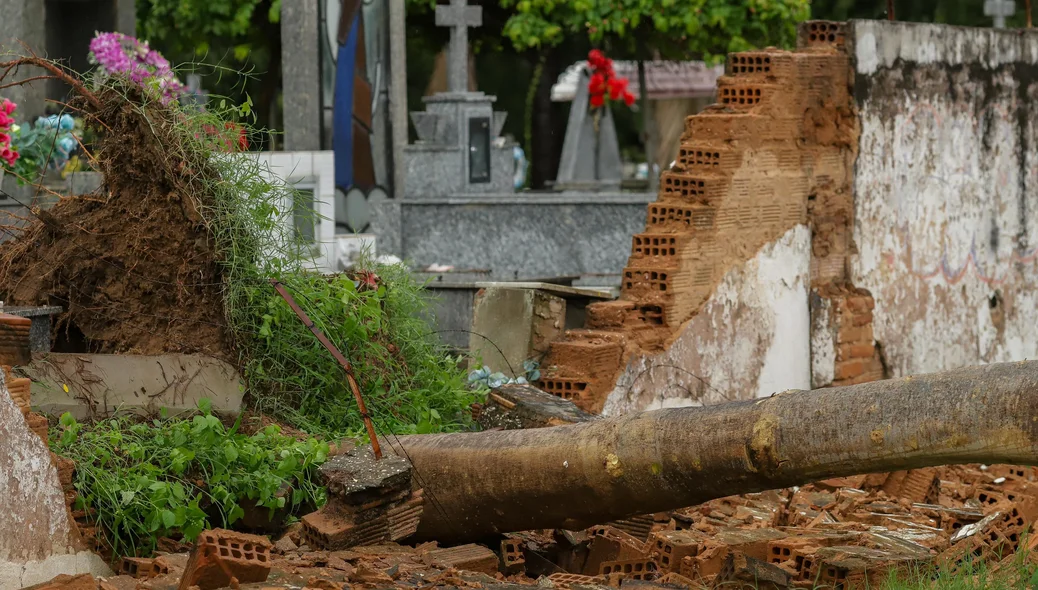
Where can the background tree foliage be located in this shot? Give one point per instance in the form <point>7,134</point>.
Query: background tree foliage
<point>219,39</point>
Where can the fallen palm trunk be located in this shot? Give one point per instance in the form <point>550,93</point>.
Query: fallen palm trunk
<point>584,474</point>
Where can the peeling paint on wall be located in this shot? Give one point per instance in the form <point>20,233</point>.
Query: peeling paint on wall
<point>751,337</point>
<point>823,341</point>
<point>945,199</point>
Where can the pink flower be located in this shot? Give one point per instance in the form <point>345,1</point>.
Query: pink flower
<point>5,139</point>
<point>6,121</point>
<point>8,155</point>
<point>7,107</point>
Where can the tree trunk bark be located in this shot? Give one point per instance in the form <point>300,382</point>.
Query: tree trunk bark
<point>585,474</point>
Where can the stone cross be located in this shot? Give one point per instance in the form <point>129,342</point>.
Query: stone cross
<point>999,9</point>
<point>459,16</point>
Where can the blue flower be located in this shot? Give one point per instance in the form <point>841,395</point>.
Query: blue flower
<point>67,123</point>
<point>67,144</point>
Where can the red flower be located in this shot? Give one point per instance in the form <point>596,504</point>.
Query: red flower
<point>597,84</point>
<point>595,58</point>
<point>628,98</point>
<point>367,279</point>
<point>597,100</point>
<point>617,86</point>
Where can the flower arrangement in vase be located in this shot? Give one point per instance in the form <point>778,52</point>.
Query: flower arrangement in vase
<point>605,86</point>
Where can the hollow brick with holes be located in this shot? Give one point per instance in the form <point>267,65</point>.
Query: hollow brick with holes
<point>686,188</point>
<point>669,548</point>
<point>706,158</point>
<point>220,555</point>
<point>632,569</point>
<point>822,34</point>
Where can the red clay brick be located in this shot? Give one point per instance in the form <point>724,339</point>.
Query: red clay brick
<point>632,569</point>
<point>472,557</point>
<point>849,369</point>
<point>856,351</point>
<point>220,555</point>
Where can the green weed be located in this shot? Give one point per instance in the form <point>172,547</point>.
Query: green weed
<point>409,381</point>
<point>170,477</point>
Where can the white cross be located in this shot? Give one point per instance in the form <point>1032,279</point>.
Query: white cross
<point>459,16</point>
<point>999,9</point>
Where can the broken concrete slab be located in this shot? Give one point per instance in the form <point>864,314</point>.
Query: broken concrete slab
<point>96,385</point>
<point>516,406</point>
<point>513,322</point>
<point>36,538</point>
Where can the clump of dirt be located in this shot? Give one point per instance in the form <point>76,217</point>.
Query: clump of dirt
<point>133,266</point>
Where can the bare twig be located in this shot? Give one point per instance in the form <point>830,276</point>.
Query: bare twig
<point>56,70</point>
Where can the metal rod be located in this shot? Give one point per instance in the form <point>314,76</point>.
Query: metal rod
<point>890,9</point>
<point>339,357</point>
<point>1027,3</point>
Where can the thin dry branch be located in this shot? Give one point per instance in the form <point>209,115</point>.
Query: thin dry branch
<point>56,71</point>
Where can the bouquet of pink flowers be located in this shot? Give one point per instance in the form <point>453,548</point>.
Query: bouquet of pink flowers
<point>8,154</point>
<point>116,54</point>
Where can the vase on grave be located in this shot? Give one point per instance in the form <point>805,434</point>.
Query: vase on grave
<point>590,151</point>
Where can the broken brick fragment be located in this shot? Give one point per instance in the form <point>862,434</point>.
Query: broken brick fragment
<point>512,555</point>
<point>67,582</point>
<point>635,569</point>
<point>471,557</point>
<point>142,567</point>
<point>742,572</point>
<point>220,556</point>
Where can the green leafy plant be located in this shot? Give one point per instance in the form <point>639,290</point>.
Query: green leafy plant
<point>376,315</point>
<point>176,477</point>
<point>409,382</point>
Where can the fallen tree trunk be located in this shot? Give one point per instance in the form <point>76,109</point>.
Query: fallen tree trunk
<point>585,474</point>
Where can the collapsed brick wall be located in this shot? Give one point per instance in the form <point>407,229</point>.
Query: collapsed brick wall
<point>774,154</point>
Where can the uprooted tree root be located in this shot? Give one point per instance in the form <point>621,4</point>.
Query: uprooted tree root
<point>133,266</point>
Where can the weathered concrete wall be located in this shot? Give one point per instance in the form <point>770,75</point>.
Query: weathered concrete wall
<point>96,385</point>
<point>36,531</point>
<point>751,336</point>
<point>944,194</point>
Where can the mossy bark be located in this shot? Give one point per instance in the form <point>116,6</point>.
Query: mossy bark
<point>584,474</point>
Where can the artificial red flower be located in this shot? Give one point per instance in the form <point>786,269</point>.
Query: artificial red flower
<point>597,100</point>
<point>617,87</point>
<point>595,58</point>
<point>628,98</point>
<point>597,85</point>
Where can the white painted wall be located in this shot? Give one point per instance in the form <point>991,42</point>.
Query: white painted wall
<point>310,170</point>
<point>750,339</point>
<point>946,207</point>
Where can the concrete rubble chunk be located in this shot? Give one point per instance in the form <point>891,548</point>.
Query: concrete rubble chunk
<point>220,556</point>
<point>357,478</point>
<point>369,502</point>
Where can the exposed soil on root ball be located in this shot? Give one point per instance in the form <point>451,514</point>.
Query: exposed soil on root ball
<point>133,266</point>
